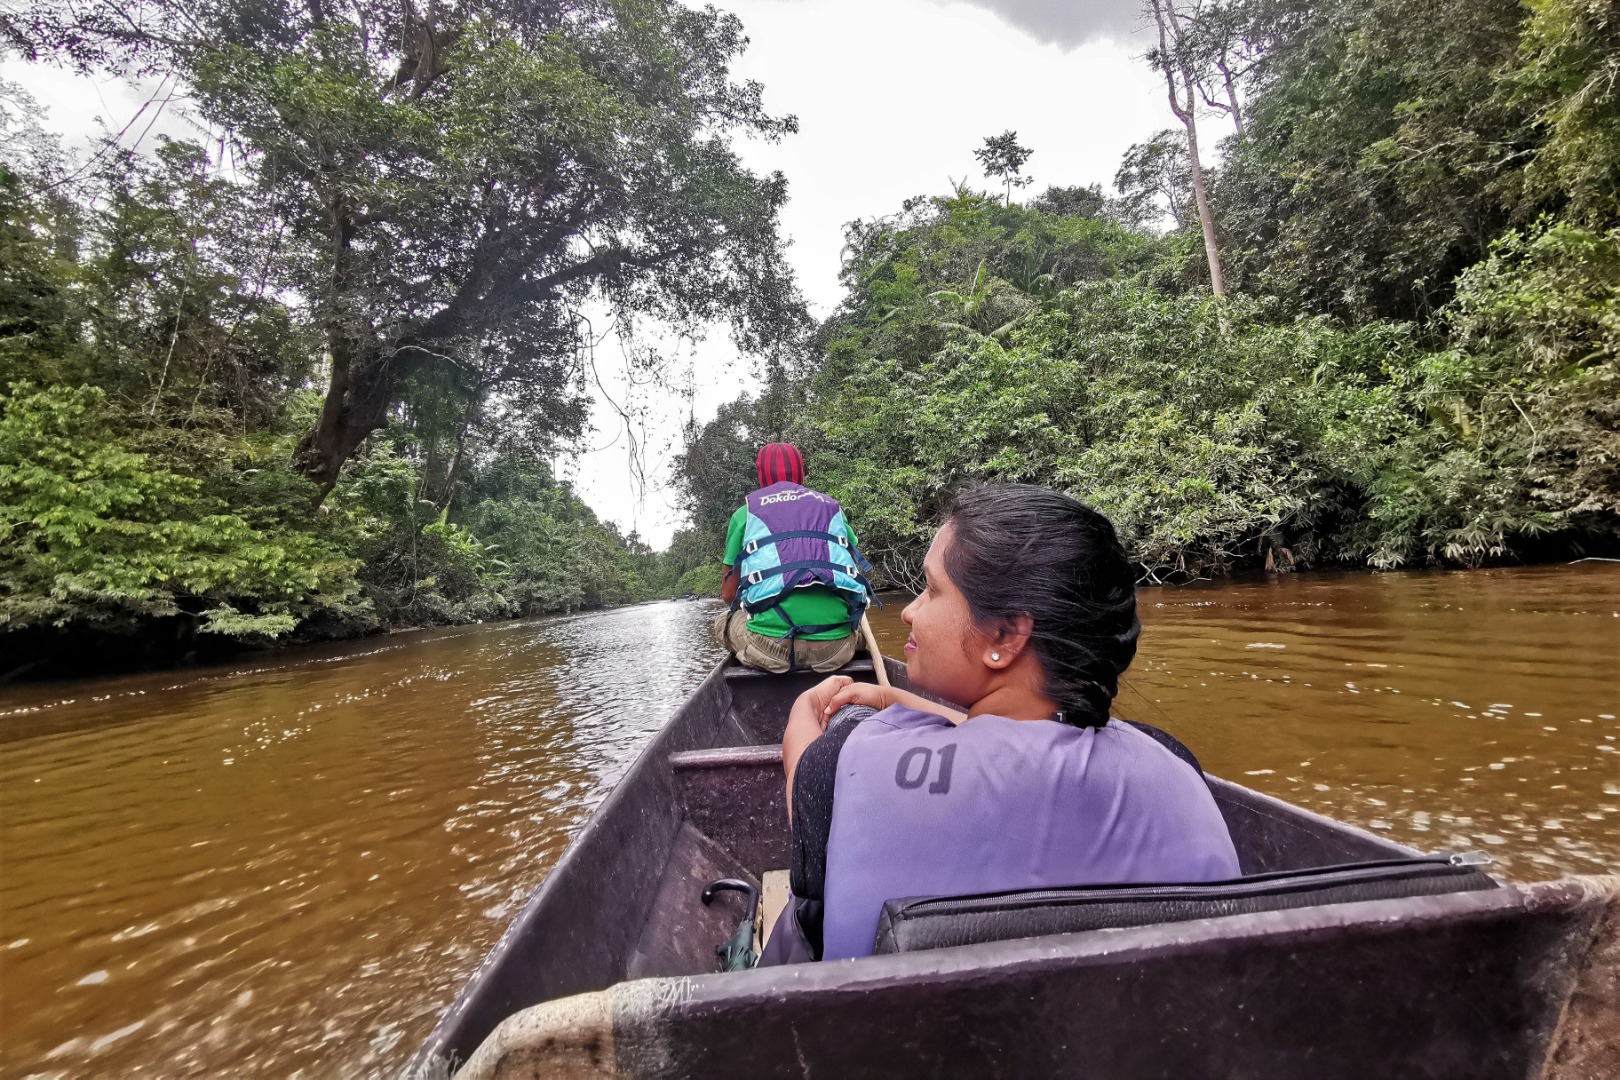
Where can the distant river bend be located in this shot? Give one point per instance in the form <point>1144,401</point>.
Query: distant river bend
<point>293,864</point>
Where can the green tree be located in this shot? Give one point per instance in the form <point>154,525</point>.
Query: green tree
<point>1214,435</point>
<point>1571,73</point>
<point>1003,158</point>
<point>1523,409</point>
<point>95,532</point>
<point>1085,200</point>
<point>147,480</point>
<point>455,175</point>
<point>1154,178</point>
<point>175,289</point>
<point>40,239</point>
<point>1385,153</point>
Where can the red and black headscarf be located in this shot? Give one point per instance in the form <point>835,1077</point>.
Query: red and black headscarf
<point>777,462</point>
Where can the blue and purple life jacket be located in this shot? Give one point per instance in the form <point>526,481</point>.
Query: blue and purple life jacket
<point>797,537</point>
<point>924,807</point>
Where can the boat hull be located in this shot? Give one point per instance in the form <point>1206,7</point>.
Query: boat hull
<point>610,968</point>
<point>1502,983</point>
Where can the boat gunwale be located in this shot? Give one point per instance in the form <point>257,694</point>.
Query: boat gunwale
<point>1088,947</point>
<point>656,1012</point>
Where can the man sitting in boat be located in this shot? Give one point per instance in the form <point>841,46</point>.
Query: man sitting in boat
<point>792,573</point>
<point>1029,617</point>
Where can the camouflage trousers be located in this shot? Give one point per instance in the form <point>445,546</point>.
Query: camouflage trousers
<point>780,655</point>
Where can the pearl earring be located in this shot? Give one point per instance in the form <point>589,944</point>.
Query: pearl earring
<point>995,656</point>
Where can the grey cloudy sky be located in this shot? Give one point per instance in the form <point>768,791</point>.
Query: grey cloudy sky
<point>892,98</point>
<point>1068,23</point>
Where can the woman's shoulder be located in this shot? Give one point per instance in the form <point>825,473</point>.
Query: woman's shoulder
<point>901,720</point>
<point>1160,736</point>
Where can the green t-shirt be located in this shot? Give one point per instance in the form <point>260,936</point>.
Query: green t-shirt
<point>809,605</point>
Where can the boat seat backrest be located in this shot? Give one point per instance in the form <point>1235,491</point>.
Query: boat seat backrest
<point>916,923</point>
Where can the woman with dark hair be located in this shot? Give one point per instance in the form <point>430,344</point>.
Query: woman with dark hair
<point>1029,619</point>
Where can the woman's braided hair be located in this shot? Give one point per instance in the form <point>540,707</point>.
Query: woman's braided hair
<point>1022,550</point>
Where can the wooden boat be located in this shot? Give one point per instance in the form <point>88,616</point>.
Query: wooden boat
<point>611,968</point>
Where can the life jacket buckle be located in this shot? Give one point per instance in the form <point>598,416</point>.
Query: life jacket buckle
<point>751,547</point>
<point>756,577</point>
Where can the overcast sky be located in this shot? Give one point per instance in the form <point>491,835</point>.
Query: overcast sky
<point>892,97</point>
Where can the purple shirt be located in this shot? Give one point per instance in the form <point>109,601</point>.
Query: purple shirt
<point>922,807</point>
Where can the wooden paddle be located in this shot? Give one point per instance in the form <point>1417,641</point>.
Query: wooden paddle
<point>870,638</point>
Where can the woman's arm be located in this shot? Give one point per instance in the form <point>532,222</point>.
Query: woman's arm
<point>806,721</point>
<point>881,697</point>
<point>808,718</point>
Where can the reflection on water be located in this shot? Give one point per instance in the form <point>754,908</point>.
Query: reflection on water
<point>296,864</point>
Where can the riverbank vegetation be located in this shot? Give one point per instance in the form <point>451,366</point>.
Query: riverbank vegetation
<point>309,375</point>
<point>1414,220</point>
<point>308,378</point>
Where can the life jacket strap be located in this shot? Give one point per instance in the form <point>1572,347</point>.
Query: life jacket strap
<point>854,550</point>
<point>796,630</point>
<point>808,564</point>
<point>798,534</point>
<point>800,630</point>
<point>792,638</point>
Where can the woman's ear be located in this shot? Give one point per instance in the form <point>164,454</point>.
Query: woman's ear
<point>1010,640</point>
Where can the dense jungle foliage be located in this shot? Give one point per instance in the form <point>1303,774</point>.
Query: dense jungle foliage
<point>1416,362</point>
<point>308,379</point>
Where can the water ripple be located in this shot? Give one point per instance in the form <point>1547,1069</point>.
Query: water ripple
<point>293,865</point>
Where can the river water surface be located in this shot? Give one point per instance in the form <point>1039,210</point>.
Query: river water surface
<point>291,865</point>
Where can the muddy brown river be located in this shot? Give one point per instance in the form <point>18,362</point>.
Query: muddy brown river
<point>290,865</point>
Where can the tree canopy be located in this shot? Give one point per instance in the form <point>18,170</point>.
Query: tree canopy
<point>374,288</point>
<point>1002,157</point>
<point>1415,362</point>
<point>450,185</point>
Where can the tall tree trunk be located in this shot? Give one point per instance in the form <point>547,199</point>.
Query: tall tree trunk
<point>1232,99</point>
<point>363,381</point>
<point>1217,282</point>
<point>453,474</point>
<point>357,402</point>
<point>1172,63</point>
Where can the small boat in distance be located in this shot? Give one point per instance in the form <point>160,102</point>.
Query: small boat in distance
<point>1339,954</point>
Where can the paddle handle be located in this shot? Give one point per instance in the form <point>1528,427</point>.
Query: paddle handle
<point>878,667</point>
